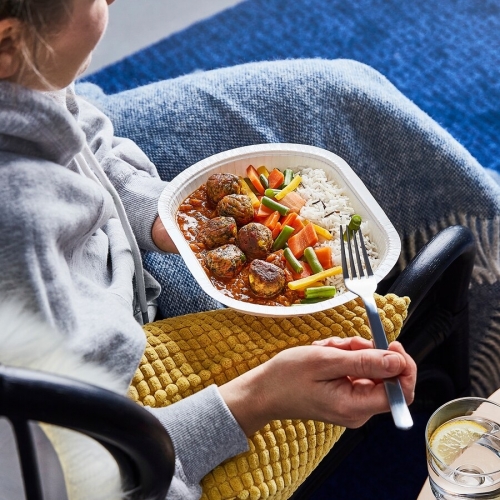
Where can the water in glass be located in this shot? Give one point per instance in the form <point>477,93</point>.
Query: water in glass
<point>463,450</point>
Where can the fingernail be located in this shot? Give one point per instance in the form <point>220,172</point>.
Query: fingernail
<point>392,362</point>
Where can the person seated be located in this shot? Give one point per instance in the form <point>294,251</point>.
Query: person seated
<point>79,204</point>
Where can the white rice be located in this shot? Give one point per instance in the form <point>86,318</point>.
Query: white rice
<point>328,206</point>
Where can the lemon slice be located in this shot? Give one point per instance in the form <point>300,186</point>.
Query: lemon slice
<point>450,439</point>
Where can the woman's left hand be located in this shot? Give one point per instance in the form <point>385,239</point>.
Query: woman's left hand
<point>161,238</point>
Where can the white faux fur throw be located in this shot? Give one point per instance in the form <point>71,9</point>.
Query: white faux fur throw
<point>90,472</point>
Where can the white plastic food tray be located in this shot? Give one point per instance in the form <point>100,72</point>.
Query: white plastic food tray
<point>281,156</point>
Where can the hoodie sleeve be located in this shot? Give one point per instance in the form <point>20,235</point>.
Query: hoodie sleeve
<point>128,168</point>
<point>204,432</point>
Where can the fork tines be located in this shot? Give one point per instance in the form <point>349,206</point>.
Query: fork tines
<point>352,240</point>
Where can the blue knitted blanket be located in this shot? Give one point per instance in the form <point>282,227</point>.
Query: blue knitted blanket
<point>444,56</point>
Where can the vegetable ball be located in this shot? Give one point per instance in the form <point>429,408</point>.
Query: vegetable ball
<point>220,185</point>
<point>226,261</point>
<point>255,240</point>
<point>238,206</point>
<point>265,279</point>
<point>218,231</point>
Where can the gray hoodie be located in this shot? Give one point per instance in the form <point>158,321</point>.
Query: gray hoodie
<point>64,251</point>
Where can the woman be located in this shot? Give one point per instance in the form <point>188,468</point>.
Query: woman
<point>78,203</point>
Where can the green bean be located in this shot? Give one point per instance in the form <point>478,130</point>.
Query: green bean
<point>355,222</point>
<point>274,205</point>
<point>325,292</point>
<point>271,193</point>
<point>282,238</point>
<point>312,260</point>
<point>288,173</point>
<point>264,181</point>
<point>292,260</point>
<point>313,301</point>
<point>354,225</point>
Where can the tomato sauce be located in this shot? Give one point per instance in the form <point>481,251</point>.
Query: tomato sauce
<point>193,212</point>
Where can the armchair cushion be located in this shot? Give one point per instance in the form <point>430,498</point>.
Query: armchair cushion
<point>187,353</point>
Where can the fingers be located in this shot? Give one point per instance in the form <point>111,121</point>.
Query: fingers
<point>345,343</point>
<point>361,363</point>
<point>340,385</point>
<point>362,399</point>
<point>161,238</point>
<point>359,343</point>
<point>408,376</point>
<point>366,366</point>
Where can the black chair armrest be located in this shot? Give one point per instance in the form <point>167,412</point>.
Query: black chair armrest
<point>449,256</point>
<point>436,330</point>
<point>135,438</point>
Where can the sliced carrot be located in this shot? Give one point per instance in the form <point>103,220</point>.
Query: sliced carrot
<point>325,256</point>
<point>275,179</point>
<point>306,271</point>
<point>278,255</point>
<point>324,233</point>
<point>272,220</point>
<point>298,225</point>
<point>277,230</point>
<point>253,175</point>
<point>264,212</point>
<point>289,219</point>
<point>293,201</point>
<point>306,237</point>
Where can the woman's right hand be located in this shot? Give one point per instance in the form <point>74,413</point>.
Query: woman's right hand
<point>339,381</point>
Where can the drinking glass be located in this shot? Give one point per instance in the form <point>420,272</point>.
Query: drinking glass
<point>463,449</point>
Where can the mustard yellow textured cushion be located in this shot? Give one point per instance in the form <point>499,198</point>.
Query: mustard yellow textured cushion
<point>187,353</point>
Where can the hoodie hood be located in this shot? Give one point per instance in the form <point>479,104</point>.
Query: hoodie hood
<point>30,125</point>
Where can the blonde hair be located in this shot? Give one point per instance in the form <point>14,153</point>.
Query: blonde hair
<point>40,19</point>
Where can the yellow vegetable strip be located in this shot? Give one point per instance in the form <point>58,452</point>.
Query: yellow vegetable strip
<point>288,189</point>
<point>305,282</point>
<point>246,190</point>
<point>263,170</point>
<point>324,233</point>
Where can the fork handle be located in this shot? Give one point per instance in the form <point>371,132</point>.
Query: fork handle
<point>399,408</point>
<point>378,333</point>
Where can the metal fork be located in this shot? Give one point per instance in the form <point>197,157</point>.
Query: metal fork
<point>363,283</point>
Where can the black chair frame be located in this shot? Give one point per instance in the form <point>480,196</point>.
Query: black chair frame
<point>435,333</point>
<point>136,439</point>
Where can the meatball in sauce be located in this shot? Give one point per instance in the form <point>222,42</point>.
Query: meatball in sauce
<point>266,279</point>
<point>256,240</point>
<point>220,185</point>
<point>238,206</point>
<point>218,231</point>
<point>194,217</point>
<point>226,261</point>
